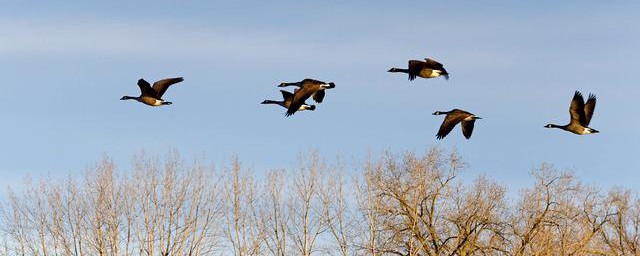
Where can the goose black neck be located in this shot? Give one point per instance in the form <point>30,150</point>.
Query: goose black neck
<point>287,84</point>
<point>442,112</point>
<point>564,127</point>
<point>270,102</point>
<point>399,70</point>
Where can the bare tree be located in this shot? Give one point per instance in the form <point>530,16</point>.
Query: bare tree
<point>305,207</point>
<point>413,207</point>
<point>558,216</point>
<point>275,214</point>
<point>621,235</point>
<point>337,215</point>
<point>176,209</point>
<point>397,205</point>
<point>243,228</point>
<point>167,211</point>
<point>475,216</point>
<point>15,225</point>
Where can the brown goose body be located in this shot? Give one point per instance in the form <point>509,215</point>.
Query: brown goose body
<point>286,102</point>
<point>152,96</point>
<point>308,88</point>
<point>455,116</point>
<point>581,114</point>
<point>318,96</point>
<point>428,68</point>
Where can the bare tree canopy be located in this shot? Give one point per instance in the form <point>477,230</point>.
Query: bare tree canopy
<point>394,205</point>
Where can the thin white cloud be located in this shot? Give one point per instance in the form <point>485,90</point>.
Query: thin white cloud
<point>95,39</point>
<point>121,39</point>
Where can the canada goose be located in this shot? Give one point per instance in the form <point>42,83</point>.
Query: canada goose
<point>425,69</point>
<point>308,88</point>
<point>153,96</point>
<point>318,96</point>
<point>287,97</point>
<point>453,118</point>
<point>581,114</point>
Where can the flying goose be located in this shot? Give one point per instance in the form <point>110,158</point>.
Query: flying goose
<point>152,96</point>
<point>454,117</point>
<point>425,69</point>
<point>317,96</point>
<point>308,88</point>
<point>581,114</point>
<point>287,97</point>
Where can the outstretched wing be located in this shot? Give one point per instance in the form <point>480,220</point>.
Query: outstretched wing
<point>415,66</point>
<point>318,96</point>
<point>286,95</point>
<point>299,97</point>
<point>432,64</point>
<point>589,107</point>
<point>448,124</point>
<point>310,81</point>
<point>577,109</point>
<point>161,86</point>
<point>467,128</point>
<point>145,89</point>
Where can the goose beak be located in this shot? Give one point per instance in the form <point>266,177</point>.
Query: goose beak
<point>477,117</point>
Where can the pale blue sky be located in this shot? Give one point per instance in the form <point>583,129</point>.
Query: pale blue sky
<point>65,64</point>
